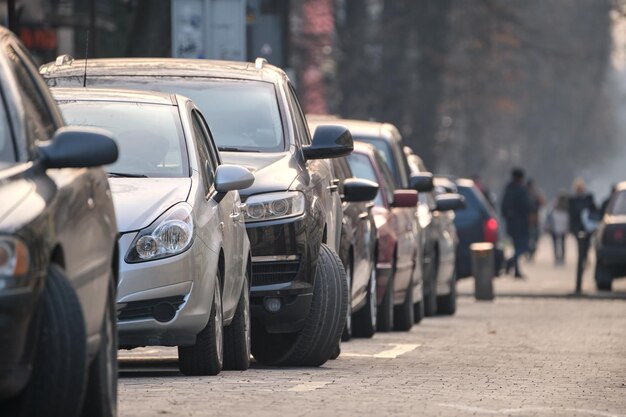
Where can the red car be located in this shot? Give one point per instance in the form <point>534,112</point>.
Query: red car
<point>398,275</point>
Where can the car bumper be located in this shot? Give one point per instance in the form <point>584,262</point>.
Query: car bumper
<point>613,256</point>
<point>284,254</point>
<point>164,302</point>
<point>16,312</point>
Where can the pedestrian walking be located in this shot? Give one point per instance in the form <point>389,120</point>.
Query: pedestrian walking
<point>537,201</point>
<point>515,210</point>
<point>557,224</point>
<point>581,207</point>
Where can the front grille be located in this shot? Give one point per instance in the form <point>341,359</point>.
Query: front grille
<point>134,310</point>
<point>275,272</point>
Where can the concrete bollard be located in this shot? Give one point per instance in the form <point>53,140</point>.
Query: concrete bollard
<point>483,266</point>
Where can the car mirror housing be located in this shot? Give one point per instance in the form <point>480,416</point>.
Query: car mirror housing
<point>449,202</point>
<point>329,141</point>
<point>422,182</point>
<point>79,147</point>
<point>405,198</point>
<point>359,190</point>
<point>232,177</point>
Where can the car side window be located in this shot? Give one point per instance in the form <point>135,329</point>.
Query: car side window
<point>298,114</point>
<point>213,152</point>
<point>40,123</point>
<point>207,168</point>
<point>386,175</point>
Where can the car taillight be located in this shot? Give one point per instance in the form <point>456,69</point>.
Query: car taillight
<point>490,230</point>
<point>614,234</point>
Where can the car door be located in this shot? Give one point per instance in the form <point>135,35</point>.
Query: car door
<point>231,218</point>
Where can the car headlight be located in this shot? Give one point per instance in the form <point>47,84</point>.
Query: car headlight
<point>14,257</point>
<point>272,206</point>
<point>169,235</point>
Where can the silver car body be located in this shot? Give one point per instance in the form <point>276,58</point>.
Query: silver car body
<point>184,282</point>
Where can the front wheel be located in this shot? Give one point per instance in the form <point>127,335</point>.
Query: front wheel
<point>101,398</point>
<point>206,357</point>
<point>319,338</point>
<point>347,329</point>
<point>446,304</point>
<point>403,314</point>
<point>604,278</point>
<point>237,335</point>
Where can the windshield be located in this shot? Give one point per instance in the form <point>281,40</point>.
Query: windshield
<point>148,136</point>
<point>383,147</point>
<point>618,205</point>
<point>7,153</point>
<point>361,167</point>
<point>242,115</point>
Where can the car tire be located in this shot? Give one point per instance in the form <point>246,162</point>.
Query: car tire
<point>237,335</point>
<point>364,321</point>
<point>57,383</point>
<point>403,314</point>
<point>101,396</point>
<point>446,304</point>
<point>206,357</point>
<point>604,278</point>
<point>418,311</point>
<point>347,328</point>
<point>430,289</point>
<point>385,309</point>
<point>319,338</point>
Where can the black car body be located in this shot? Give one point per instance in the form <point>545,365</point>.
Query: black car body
<point>257,123</point>
<point>357,248</point>
<point>57,290</point>
<point>476,222</point>
<point>611,241</point>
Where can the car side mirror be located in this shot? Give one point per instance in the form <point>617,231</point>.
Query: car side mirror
<point>329,141</point>
<point>232,177</point>
<point>422,182</point>
<point>358,190</point>
<point>79,147</point>
<point>449,202</point>
<point>405,198</point>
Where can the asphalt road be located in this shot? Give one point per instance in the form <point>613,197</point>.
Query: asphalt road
<point>534,351</point>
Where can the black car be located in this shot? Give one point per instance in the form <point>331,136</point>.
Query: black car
<point>357,249</point>
<point>58,253</point>
<point>476,222</point>
<point>611,241</point>
<point>257,123</point>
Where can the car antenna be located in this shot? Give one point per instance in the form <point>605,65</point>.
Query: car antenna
<point>86,56</point>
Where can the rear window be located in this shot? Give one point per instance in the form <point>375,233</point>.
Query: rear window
<point>242,115</point>
<point>474,208</point>
<point>149,136</point>
<point>618,204</point>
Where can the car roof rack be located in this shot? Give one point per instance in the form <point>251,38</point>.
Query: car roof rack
<point>63,59</point>
<point>259,63</point>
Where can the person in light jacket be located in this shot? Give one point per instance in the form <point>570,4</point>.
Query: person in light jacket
<point>558,225</point>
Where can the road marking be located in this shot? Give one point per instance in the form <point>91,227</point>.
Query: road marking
<point>506,411</point>
<point>399,349</point>
<point>309,386</point>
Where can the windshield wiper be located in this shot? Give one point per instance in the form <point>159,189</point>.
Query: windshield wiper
<point>125,175</point>
<point>233,149</point>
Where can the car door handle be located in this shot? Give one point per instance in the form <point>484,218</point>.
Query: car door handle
<point>235,215</point>
<point>333,188</point>
<point>336,181</point>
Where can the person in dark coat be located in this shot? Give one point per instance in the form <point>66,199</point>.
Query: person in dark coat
<point>579,203</point>
<point>515,210</point>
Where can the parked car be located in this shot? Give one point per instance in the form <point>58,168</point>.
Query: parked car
<point>357,249</point>
<point>398,276</point>
<point>58,263</point>
<point>476,222</point>
<point>299,292</point>
<point>183,249</point>
<point>611,241</point>
<point>435,213</point>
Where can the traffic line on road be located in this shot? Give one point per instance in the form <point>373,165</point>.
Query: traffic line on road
<point>508,411</point>
<point>309,386</point>
<point>397,350</point>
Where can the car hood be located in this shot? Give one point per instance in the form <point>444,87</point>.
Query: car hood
<point>139,201</point>
<point>272,171</point>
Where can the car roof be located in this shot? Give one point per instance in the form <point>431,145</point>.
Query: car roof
<point>66,66</point>
<point>356,127</point>
<point>106,94</point>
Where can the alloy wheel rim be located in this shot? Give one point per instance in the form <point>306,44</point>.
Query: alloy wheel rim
<point>373,306</point>
<point>246,320</point>
<point>349,313</point>
<point>218,325</point>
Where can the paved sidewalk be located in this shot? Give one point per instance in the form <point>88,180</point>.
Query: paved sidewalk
<point>545,279</point>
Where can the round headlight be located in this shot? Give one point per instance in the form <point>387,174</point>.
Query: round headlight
<point>174,235</point>
<point>146,247</point>
<point>256,211</point>
<point>279,207</point>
